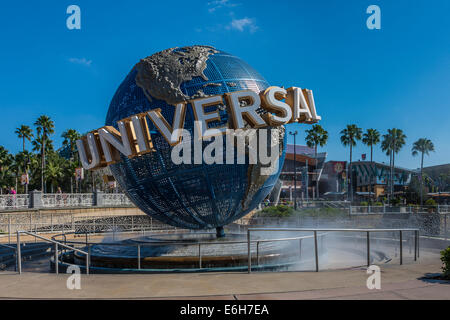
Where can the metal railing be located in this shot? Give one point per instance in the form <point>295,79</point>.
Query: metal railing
<point>115,199</point>
<point>315,235</point>
<point>64,200</point>
<point>183,243</point>
<point>57,245</point>
<point>58,200</point>
<point>443,209</point>
<point>14,201</point>
<point>73,222</point>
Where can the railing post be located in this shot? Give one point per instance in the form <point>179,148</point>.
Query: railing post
<point>51,221</point>
<point>316,251</point>
<point>56,259</point>
<point>415,245</point>
<point>19,254</point>
<point>418,243</point>
<point>300,249</point>
<point>249,252</point>
<point>139,256</point>
<point>257,253</point>
<point>368,248</point>
<point>199,256</point>
<point>9,228</point>
<point>88,259</point>
<point>401,247</point>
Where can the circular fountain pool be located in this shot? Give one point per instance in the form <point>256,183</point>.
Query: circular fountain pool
<point>187,252</point>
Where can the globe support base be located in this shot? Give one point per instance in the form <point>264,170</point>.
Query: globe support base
<point>220,232</point>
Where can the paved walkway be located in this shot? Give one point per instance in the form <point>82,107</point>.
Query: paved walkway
<point>397,282</point>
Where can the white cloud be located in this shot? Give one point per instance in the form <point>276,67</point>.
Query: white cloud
<point>243,24</point>
<point>82,61</point>
<point>217,4</point>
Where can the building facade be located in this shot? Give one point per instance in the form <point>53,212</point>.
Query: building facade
<point>374,177</point>
<point>308,168</point>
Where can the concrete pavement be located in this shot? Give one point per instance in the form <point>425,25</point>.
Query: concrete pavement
<point>397,282</point>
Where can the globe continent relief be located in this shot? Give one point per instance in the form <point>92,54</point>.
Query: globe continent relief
<point>193,196</point>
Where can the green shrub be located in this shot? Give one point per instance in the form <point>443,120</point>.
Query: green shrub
<point>378,204</point>
<point>364,203</point>
<point>430,202</point>
<point>283,211</point>
<point>279,211</point>
<point>445,258</point>
<point>322,212</point>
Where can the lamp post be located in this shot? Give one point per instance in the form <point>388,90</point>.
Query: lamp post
<point>295,169</point>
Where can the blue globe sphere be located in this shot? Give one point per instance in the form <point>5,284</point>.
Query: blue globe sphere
<point>193,196</point>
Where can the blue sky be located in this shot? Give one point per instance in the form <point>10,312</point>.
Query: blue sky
<point>398,76</point>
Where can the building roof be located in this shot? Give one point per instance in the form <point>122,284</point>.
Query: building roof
<point>379,164</point>
<point>299,149</point>
<point>443,167</point>
<point>305,153</point>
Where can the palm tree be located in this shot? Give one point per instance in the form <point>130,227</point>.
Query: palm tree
<point>370,138</point>
<point>6,161</point>
<point>54,172</point>
<point>45,127</point>
<point>22,161</point>
<point>70,137</point>
<point>423,146</point>
<point>392,143</point>
<point>349,136</point>
<point>317,136</point>
<point>24,133</point>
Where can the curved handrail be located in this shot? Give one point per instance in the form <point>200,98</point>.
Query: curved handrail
<point>315,230</point>
<point>199,244</point>
<point>56,243</point>
<point>7,246</point>
<point>179,242</point>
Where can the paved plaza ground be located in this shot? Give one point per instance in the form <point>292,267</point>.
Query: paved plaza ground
<point>397,282</point>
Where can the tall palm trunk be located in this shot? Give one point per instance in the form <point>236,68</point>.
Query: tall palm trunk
<point>349,179</point>
<point>25,165</point>
<point>392,175</point>
<point>317,176</point>
<point>371,175</point>
<point>421,181</point>
<point>388,184</point>
<point>42,162</point>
